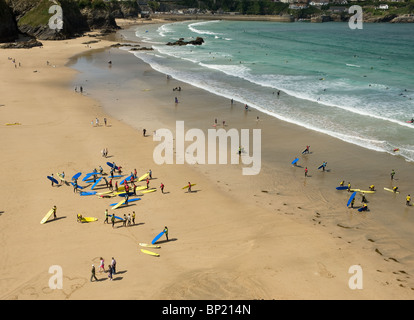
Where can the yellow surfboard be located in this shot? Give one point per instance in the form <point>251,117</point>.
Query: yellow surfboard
<point>149,245</point>
<point>149,190</point>
<point>89,219</point>
<point>143,177</point>
<point>150,253</point>
<point>61,177</point>
<point>352,190</point>
<point>390,190</point>
<point>187,186</point>
<point>120,203</point>
<point>47,216</point>
<point>367,191</point>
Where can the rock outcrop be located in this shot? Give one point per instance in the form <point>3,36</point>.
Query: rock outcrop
<point>8,26</point>
<point>33,19</point>
<point>180,42</point>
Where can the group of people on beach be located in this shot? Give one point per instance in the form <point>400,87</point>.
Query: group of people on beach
<point>111,269</point>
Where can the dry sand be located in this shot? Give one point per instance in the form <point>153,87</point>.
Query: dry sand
<point>270,236</point>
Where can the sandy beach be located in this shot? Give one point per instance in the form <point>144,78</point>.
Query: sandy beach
<point>275,235</point>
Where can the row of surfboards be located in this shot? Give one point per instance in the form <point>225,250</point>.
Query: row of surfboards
<point>354,192</point>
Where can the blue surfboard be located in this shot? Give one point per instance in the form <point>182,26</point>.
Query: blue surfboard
<point>52,179</point>
<point>76,176</point>
<point>296,160</point>
<point>157,237</point>
<point>341,188</point>
<point>320,166</point>
<point>111,165</point>
<point>126,179</point>
<point>123,194</point>
<point>97,181</point>
<point>116,217</point>
<point>362,209</point>
<point>350,198</point>
<point>79,187</point>
<point>82,193</point>
<point>129,200</point>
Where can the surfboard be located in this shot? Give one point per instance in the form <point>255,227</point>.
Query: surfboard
<point>97,181</point>
<point>390,190</point>
<point>367,191</point>
<point>47,216</point>
<point>150,253</point>
<point>320,166</point>
<point>149,245</point>
<point>149,190</point>
<point>116,217</point>
<point>53,179</point>
<point>90,193</point>
<point>354,190</point>
<point>187,186</point>
<point>126,179</point>
<point>76,176</point>
<point>341,188</point>
<point>61,177</point>
<point>350,198</point>
<point>143,177</point>
<point>13,124</point>
<point>89,219</point>
<point>79,187</point>
<point>117,205</point>
<point>296,160</point>
<point>157,237</point>
<point>111,165</point>
<point>123,194</point>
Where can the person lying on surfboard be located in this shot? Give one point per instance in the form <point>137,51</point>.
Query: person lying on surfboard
<point>364,207</point>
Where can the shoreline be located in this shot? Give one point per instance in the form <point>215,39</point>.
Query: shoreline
<point>247,244</point>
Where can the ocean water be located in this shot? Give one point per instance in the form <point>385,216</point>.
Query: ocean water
<point>355,85</point>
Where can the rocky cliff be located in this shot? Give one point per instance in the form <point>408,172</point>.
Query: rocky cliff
<point>8,26</point>
<point>32,17</point>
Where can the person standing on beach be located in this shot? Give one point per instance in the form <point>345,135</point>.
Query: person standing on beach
<point>189,186</point>
<point>162,187</point>
<point>392,174</point>
<point>129,219</point>
<point>106,216</point>
<point>113,220</point>
<point>54,212</point>
<point>113,265</point>
<point>306,171</point>
<point>166,232</point>
<point>144,131</point>
<point>147,183</point>
<point>133,217</point>
<point>75,186</point>
<point>101,265</point>
<point>105,121</point>
<point>52,177</point>
<point>93,276</point>
<point>408,199</point>
<point>110,272</point>
<point>349,187</point>
<point>150,173</point>
<point>124,220</point>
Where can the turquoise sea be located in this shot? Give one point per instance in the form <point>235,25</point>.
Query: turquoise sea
<point>352,84</point>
